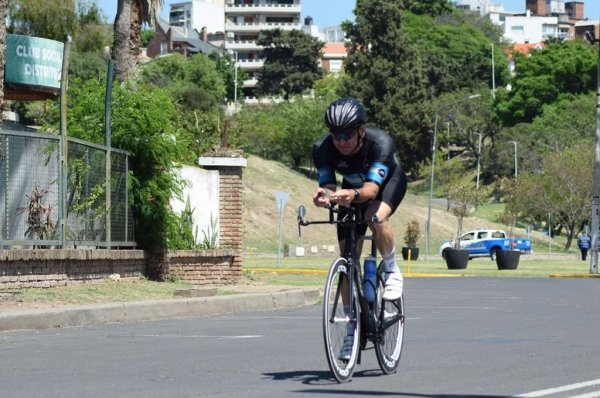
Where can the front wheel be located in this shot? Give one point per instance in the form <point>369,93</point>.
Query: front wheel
<point>341,318</point>
<point>390,336</point>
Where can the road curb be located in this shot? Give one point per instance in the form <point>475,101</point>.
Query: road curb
<point>156,309</point>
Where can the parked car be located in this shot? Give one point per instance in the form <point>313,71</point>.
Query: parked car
<point>487,243</point>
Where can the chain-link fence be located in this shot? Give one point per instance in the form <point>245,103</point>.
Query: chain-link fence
<point>44,202</point>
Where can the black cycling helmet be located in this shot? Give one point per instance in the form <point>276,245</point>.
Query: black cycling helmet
<point>345,114</point>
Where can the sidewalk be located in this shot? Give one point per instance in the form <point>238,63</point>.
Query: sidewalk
<point>258,298</point>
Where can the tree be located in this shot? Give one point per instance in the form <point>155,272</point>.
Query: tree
<point>547,75</point>
<point>226,68</point>
<point>456,51</point>
<point>329,86</point>
<point>567,184</point>
<point>464,199</point>
<point>194,82</point>
<point>560,125</point>
<point>144,122</point>
<point>564,123</point>
<point>131,14</point>
<point>283,132</point>
<point>291,62</point>
<point>50,19</point>
<point>386,73</point>
<point>429,7</point>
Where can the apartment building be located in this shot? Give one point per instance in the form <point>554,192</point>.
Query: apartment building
<point>542,19</point>
<point>244,19</point>
<point>240,21</point>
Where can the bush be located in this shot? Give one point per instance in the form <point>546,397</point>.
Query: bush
<point>411,236</point>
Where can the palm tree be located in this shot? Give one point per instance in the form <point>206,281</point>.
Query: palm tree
<point>3,12</point>
<point>131,14</point>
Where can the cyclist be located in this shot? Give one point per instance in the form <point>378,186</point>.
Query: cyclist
<point>372,175</point>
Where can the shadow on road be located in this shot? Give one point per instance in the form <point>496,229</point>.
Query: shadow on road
<point>319,377</point>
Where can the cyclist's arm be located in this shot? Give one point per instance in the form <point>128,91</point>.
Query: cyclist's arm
<point>366,193</point>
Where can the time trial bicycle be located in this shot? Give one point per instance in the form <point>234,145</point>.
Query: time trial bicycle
<point>380,322</point>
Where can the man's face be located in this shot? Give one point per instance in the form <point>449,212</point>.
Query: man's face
<point>347,142</point>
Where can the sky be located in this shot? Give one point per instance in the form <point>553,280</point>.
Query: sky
<point>324,12</point>
<point>332,12</point>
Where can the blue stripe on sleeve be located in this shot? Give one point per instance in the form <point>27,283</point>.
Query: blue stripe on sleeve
<point>378,173</point>
<point>325,176</point>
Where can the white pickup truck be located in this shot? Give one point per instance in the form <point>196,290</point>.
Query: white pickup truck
<point>487,243</point>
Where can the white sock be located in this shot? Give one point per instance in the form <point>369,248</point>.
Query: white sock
<point>389,261</point>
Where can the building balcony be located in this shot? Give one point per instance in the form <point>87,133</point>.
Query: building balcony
<point>258,26</point>
<point>250,64</point>
<point>262,100</point>
<point>262,8</point>
<point>250,83</point>
<point>240,45</point>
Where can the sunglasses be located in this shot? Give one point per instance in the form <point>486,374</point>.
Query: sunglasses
<point>345,136</point>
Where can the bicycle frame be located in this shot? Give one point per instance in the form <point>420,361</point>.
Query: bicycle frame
<point>352,253</point>
<point>381,321</point>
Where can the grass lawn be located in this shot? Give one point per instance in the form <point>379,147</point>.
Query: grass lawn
<point>314,268</point>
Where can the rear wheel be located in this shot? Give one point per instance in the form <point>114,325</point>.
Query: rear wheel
<point>340,319</point>
<point>390,336</point>
<point>494,253</point>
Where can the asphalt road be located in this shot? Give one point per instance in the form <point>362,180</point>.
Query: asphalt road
<point>465,337</point>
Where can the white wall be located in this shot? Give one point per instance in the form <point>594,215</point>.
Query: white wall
<point>203,191</point>
<point>530,29</point>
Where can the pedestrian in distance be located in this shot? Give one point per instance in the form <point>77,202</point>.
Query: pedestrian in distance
<point>584,245</point>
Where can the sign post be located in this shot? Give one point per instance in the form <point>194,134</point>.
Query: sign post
<point>594,248</point>
<point>282,198</point>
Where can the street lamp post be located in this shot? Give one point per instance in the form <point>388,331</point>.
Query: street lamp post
<point>478,165</point>
<point>516,169</point>
<point>435,127</point>
<point>591,37</point>
<point>448,123</point>
<point>235,77</point>
<point>493,74</point>
<point>235,82</point>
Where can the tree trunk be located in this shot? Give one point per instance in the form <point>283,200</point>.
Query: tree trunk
<point>122,55</point>
<point>3,12</point>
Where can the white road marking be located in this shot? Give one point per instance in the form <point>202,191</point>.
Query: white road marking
<point>589,395</point>
<point>453,307</point>
<point>569,387</point>
<point>202,336</point>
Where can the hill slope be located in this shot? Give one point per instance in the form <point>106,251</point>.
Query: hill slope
<point>263,178</point>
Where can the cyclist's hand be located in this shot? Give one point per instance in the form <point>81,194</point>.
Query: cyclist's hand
<point>321,197</point>
<point>343,197</point>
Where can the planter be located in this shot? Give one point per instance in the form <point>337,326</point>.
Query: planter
<point>414,253</point>
<point>456,258</point>
<point>508,259</point>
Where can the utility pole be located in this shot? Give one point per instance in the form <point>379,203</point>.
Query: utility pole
<point>591,37</point>
<point>493,74</point>
<point>478,166</point>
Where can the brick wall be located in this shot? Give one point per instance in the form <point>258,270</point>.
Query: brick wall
<point>204,267</point>
<point>230,213</point>
<point>56,267</point>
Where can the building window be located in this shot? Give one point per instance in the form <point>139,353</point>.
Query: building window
<point>335,65</point>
